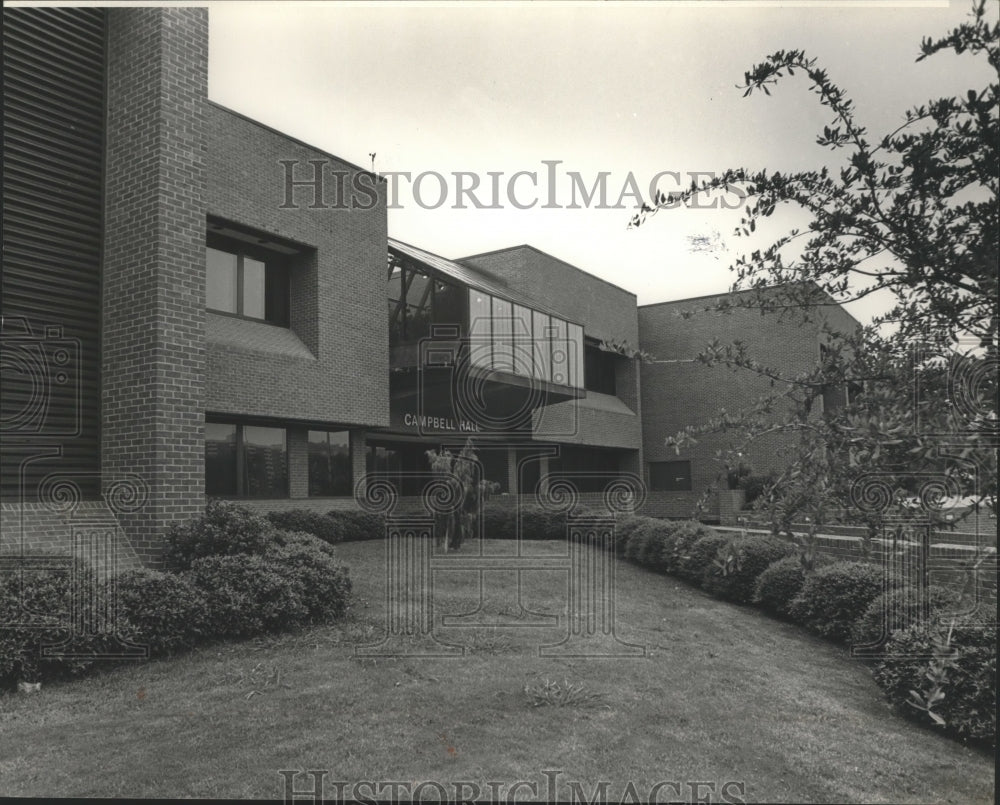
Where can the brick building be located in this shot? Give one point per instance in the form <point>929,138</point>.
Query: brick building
<point>190,310</point>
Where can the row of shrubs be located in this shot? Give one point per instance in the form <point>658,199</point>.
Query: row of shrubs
<point>499,522</point>
<point>231,574</point>
<point>842,601</point>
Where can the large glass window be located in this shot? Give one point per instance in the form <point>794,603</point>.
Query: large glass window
<point>245,461</point>
<point>244,285</point>
<point>220,459</point>
<point>543,346</point>
<point>265,464</point>
<point>560,353</point>
<point>523,360</point>
<point>574,342</point>
<point>480,329</point>
<point>503,341</point>
<point>670,476</point>
<point>329,463</point>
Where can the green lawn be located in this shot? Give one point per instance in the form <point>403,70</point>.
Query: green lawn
<point>723,694</point>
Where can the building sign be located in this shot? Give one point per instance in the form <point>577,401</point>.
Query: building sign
<point>424,423</point>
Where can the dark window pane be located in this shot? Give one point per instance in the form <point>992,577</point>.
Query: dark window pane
<point>383,463</point>
<point>503,344</point>
<point>220,274</point>
<point>523,359</point>
<point>265,462</point>
<point>670,476</point>
<point>329,463</point>
<point>418,306</point>
<point>220,459</point>
<point>480,330</point>
<point>449,305</point>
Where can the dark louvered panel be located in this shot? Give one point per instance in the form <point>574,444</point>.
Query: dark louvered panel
<point>53,131</point>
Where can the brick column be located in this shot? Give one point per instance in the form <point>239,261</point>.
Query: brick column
<point>298,462</point>
<point>153,350</point>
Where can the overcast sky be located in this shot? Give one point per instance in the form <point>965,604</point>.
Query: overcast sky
<point>617,88</point>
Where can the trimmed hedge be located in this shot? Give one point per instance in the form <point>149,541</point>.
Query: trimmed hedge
<point>684,534</point>
<point>225,529</point>
<point>969,682</point>
<point>335,526</point>
<point>499,521</point>
<point>625,526</point>
<point>161,610</point>
<point>868,629</point>
<point>321,583</point>
<point>834,597</point>
<point>699,557</point>
<point>46,595</point>
<point>247,595</point>
<point>41,606</point>
<point>779,583</point>
<point>752,556</point>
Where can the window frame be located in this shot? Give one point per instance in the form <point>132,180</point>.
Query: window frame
<point>275,266</point>
<point>241,480</point>
<point>350,462</point>
<point>690,483</point>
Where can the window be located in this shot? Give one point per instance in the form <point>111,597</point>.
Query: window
<point>220,459</point>
<point>329,463</point>
<point>245,461</point>
<point>503,340</point>
<point>574,339</point>
<point>254,286</point>
<point>670,476</point>
<point>417,301</point>
<point>599,370</point>
<point>543,346</point>
<point>480,329</point>
<point>560,353</point>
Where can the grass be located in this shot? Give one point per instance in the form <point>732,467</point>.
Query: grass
<point>722,693</point>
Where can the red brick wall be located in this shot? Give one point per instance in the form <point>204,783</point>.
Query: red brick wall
<point>153,359</point>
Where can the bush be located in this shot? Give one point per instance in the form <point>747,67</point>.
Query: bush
<point>684,534</point>
<point>538,524</point>
<point>499,522</point>
<point>226,529</point>
<point>625,526</point>
<point>868,629</point>
<point>356,526</point>
<point>968,708</point>
<point>778,584</point>
<point>751,557</point>
<point>36,615</point>
<point>320,582</point>
<point>700,556</point>
<point>637,543</point>
<point>834,597</point>
<point>308,522</point>
<point>247,595</point>
<point>161,610</point>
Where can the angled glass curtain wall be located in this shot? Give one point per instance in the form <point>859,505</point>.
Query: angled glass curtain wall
<point>508,337</point>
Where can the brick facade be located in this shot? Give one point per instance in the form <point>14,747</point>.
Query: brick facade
<point>153,350</point>
<point>679,391</point>
<point>177,166</point>
<point>340,374</point>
